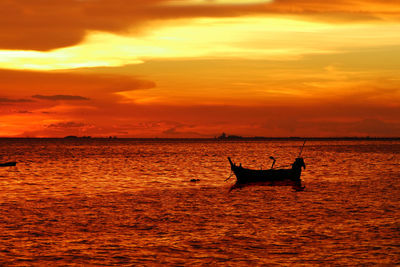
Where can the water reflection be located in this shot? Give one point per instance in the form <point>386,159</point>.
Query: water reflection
<point>131,203</point>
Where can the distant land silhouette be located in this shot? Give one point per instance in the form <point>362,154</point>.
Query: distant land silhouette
<point>223,137</point>
<point>76,137</point>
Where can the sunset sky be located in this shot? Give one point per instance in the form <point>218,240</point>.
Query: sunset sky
<point>197,68</point>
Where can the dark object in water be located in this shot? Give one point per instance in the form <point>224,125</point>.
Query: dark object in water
<point>271,177</point>
<point>194,180</point>
<point>8,164</point>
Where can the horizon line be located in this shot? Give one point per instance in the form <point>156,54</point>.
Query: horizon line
<point>234,138</point>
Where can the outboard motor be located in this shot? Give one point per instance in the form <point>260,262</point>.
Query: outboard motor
<point>273,163</point>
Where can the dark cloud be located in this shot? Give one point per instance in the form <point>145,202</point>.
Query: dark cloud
<point>11,100</point>
<point>60,97</point>
<point>20,83</point>
<point>48,24</point>
<point>376,127</point>
<point>66,125</point>
<point>307,126</point>
<point>133,120</point>
<point>179,129</point>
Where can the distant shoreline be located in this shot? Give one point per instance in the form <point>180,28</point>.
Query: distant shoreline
<point>235,139</point>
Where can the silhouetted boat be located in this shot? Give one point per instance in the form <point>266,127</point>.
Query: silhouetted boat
<point>277,177</point>
<point>8,164</point>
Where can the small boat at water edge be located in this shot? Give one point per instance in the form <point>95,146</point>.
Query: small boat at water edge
<point>271,177</point>
<point>8,164</point>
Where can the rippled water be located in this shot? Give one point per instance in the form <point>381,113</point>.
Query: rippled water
<point>120,202</point>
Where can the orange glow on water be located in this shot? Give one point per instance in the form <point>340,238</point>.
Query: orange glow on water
<point>123,202</point>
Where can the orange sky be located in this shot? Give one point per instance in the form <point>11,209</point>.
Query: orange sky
<point>196,68</point>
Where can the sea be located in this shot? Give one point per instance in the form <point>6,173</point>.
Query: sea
<point>100,202</point>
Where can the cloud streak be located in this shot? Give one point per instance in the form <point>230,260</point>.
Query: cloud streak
<point>61,97</point>
<point>11,100</point>
<point>67,125</point>
<point>69,83</point>
<point>238,38</point>
<point>47,24</point>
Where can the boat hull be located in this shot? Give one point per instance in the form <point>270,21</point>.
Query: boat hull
<point>271,177</point>
<point>267,177</point>
<point>8,164</point>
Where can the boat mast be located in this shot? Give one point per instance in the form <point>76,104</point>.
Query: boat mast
<point>301,150</point>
